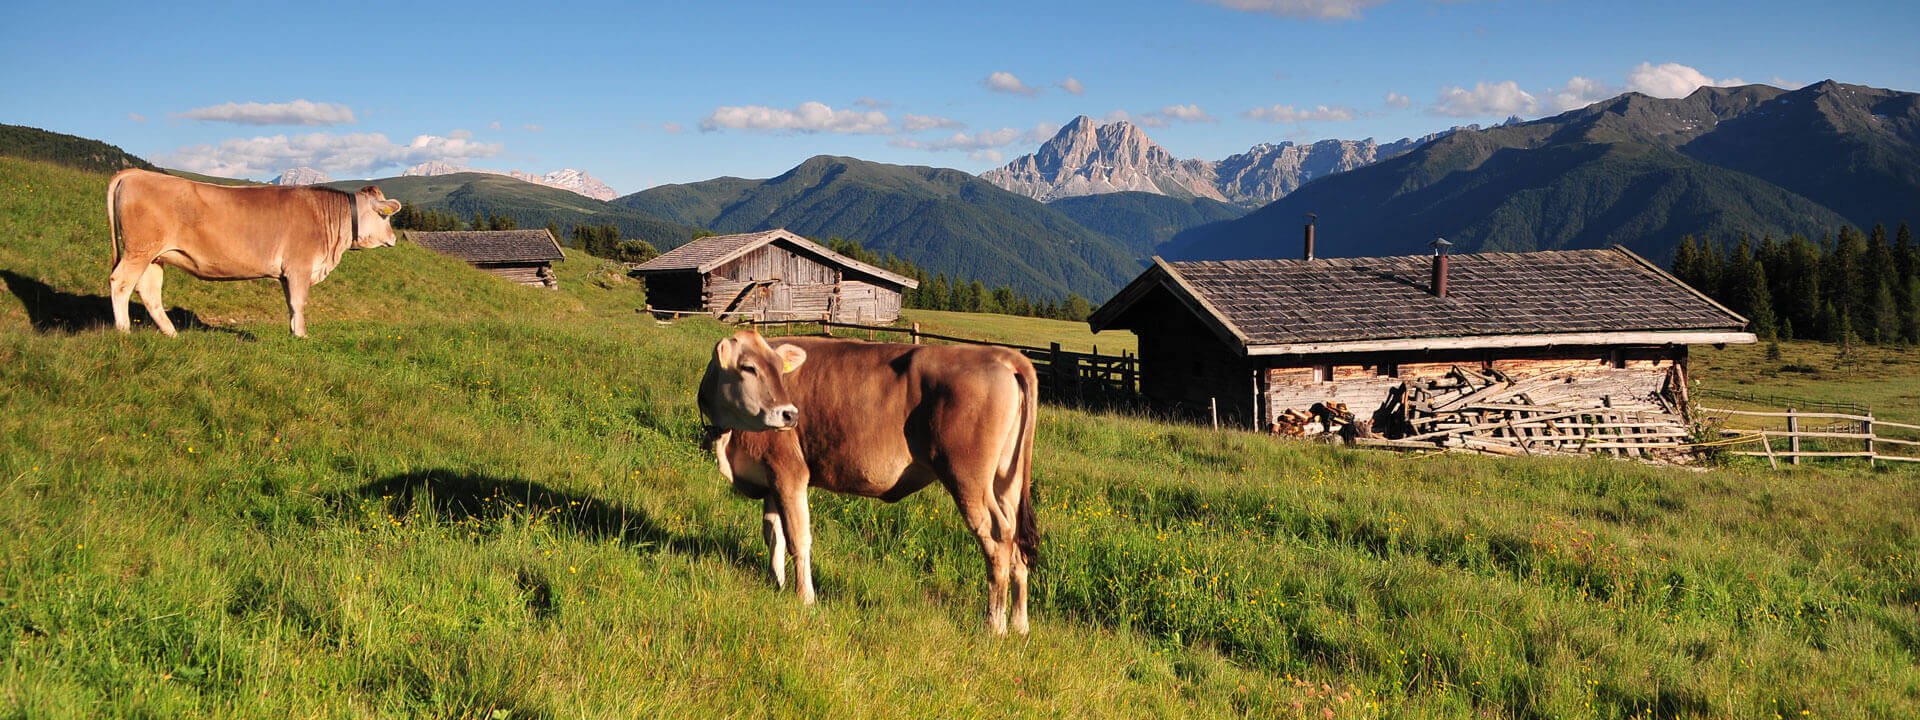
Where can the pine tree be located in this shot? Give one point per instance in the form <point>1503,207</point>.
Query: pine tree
<point>1077,307</point>
<point>937,295</point>
<point>1802,302</point>
<point>1686,261</point>
<point>1906,286</point>
<point>1760,302</point>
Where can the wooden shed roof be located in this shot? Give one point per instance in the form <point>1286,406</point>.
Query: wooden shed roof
<point>707,253</point>
<point>492,246</point>
<point>1269,307</point>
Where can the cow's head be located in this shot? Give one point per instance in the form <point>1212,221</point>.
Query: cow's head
<point>374,209</point>
<point>745,387</point>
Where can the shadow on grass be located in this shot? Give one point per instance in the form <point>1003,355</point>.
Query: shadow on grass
<point>453,497</point>
<point>54,311</point>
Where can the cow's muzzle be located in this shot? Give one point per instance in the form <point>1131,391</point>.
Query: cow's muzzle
<point>783,417</point>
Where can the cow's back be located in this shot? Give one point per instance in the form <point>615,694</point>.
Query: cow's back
<point>866,409</point>
<point>219,232</point>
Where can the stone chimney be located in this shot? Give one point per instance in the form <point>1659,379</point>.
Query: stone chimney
<point>1441,259</point>
<point>1309,237</point>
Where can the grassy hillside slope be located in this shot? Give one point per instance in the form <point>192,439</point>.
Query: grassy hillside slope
<point>530,205</point>
<point>466,498</point>
<point>1143,221</point>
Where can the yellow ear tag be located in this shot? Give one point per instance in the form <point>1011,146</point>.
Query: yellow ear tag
<point>790,365</point>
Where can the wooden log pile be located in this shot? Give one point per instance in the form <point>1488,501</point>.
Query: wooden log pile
<point>1629,413</point>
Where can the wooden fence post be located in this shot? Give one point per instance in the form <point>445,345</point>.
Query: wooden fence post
<point>1213,408</point>
<point>1793,437</point>
<point>1866,426</point>
<point>916,333</point>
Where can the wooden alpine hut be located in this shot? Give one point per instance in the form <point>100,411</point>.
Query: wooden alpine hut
<point>523,256</point>
<point>771,275</point>
<point>1469,349</point>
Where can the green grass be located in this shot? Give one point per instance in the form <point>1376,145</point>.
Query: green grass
<point>1880,377</point>
<point>1036,332</point>
<point>465,498</point>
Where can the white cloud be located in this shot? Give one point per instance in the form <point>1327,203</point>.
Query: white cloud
<point>1291,114</point>
<point>136,117</point>
<point>809,117</point>
<point>1072,86</point>
<point>1501,99</point>
<point>990,156</point>
<point>1185,113</point>
<point>1579,92</point>
<point>917,123</point>
<point>531,127</point>
<point>873,103</point>
<point>1116,116</point>
<point>1672,80</point>
<point>1397,100</point>
<point>673,128</point>
<point>979,142</point>
<point>298,112</point>
<point>1007,82</point>
<point>355,155</point>
<point>1301,9</point>
<point>461,134</point>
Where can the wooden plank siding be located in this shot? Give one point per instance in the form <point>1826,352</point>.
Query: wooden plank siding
<point>1625,376</point>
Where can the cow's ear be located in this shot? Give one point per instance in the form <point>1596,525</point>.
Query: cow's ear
<point>726,353</point>
<point>791,356</point>
<point>387,208</point>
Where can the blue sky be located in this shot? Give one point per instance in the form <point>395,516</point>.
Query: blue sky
<point>644,94</point>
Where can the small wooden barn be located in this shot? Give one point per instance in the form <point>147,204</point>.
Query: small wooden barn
<point>771,275</point>
<point>523,256</point>
<point>1265,343</point>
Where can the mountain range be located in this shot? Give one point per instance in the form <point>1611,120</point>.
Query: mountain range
<point>943,220</point>
<point>1082,159</point>
<point>569,179</point>
<point>1634,170</point>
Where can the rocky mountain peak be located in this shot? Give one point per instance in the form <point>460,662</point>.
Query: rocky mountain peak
<point>569,179</point>
<point>1085,159</point>
<point>302,176</point>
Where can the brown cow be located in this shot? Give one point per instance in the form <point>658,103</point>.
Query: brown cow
<point>881,421</point>
<point>214,232</point>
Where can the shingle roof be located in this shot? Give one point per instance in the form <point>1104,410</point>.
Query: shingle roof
<point>492,246</point>
<point>1335,300</point>
<point>707,253</point>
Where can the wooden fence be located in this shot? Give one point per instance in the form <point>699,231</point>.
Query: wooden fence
<point>1794,434</point>
<point>1066,377</point>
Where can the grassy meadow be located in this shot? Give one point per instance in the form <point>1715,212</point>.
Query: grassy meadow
<point>1016,330</point>
<point>463,498</point>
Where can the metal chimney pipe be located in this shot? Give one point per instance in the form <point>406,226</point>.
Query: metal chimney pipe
<point>1309,241</point>
<point>1441,261</point>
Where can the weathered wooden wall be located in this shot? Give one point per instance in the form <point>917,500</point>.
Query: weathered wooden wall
<point>676,291</point>
<point>775,283</point>
<point>1186,369</point>
<point>530,274</point>
<point>1363,382</point>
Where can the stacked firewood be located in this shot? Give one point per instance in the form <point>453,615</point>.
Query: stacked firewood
<point>1320,420</point>
<point>1621,412</point>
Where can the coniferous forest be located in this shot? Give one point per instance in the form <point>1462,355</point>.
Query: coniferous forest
<point>1848,286</point>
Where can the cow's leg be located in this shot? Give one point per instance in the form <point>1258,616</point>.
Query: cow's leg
<point>120,285</point>
<point>979,516</point>
<point>770,527</point>
<point>150,282</point>
<point>296,288</point>
<point>793,515</point>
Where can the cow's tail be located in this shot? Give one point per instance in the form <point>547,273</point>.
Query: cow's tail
<point>113,215</point>
<point>1027,525</point>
